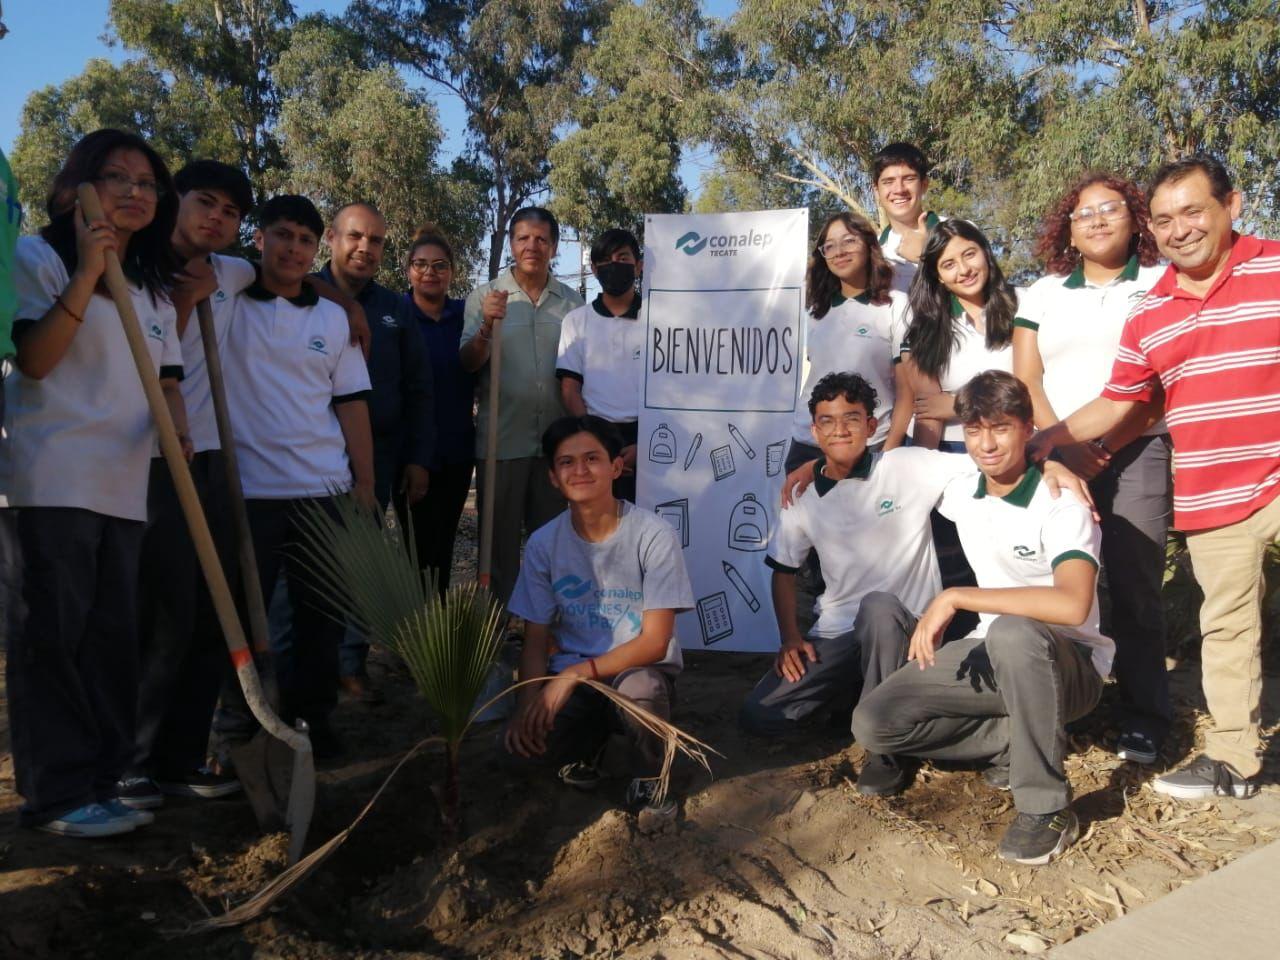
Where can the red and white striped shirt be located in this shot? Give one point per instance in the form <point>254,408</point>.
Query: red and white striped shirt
<point>1218,358</point>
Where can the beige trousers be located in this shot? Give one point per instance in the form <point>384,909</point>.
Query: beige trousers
<point>1228,566</point>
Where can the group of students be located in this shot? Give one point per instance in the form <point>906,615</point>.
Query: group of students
<point>990,662</point>
<point>334,384</point>
<point>913,330</point>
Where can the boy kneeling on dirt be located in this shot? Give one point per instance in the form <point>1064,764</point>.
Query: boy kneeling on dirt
<point>599,589</point>
<point>1037,660</point>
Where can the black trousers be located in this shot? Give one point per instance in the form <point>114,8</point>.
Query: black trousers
<point>436,516</point>
<point>307,672</point>
<point>71,654</point>
<point>183,657</point>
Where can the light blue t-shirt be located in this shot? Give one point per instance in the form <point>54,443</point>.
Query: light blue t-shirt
<point>593,595</point>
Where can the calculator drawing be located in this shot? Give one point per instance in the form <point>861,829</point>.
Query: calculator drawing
<point>713,617</point>
<point>722,464</point>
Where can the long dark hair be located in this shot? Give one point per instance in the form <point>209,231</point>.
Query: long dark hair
<point>932,336</point>
<point>149,260</point>
<point>821,285</point>
<point>1053,245</point>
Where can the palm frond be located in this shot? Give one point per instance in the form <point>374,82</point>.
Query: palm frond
<point>369,577</point>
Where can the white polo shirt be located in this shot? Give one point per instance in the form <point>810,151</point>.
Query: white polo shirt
<point>82,436</point>
<point>233,275</point>
<point>970,358</point>
<point>605,354</point>
<point>1077,328</point>
<point>904,270</point>
<point>871,531</point>
<point>287,362</point>
<point>1017,541</point>
<point>856,336</point>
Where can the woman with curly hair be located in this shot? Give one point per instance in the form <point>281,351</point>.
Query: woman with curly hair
<point>1100,254</point>
<point>856,325</point>
<point>962,312</point>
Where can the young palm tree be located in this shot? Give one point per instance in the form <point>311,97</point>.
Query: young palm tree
<point>449,645</point>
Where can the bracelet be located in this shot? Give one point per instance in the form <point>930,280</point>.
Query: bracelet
<point>483,334</point>
<point>67,310</point>
<point>595,672</point>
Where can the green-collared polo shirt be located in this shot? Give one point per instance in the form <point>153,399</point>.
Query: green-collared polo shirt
<point>528,394</point>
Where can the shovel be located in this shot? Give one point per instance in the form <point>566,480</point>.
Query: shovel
<point>301,794</point>
<point>484,566</point>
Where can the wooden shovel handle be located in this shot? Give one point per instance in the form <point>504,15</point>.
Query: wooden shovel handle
<point>254,600</point>
<point>485,563</point>
<point>192,509</point>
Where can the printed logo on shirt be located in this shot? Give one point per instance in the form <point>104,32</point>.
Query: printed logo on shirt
<point>388,320</point>
<point>886,507</point>
<point>864,331</point>
<point>156,332</point>
<point>571,587</point>
<point>1024,553</point>
<point>318,345</point>
<point>219,296</point>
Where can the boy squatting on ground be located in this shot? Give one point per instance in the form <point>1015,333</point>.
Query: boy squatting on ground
<point>878,502</point>
<point>599,589</point>
<point>296,392</point>
<point>1037,660</point>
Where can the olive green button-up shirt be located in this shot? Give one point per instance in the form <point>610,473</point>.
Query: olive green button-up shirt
<point>528,392</point>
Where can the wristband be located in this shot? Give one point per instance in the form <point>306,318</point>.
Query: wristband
<point>595,672</point>
<point>67,310</point>
<point>484,334</point>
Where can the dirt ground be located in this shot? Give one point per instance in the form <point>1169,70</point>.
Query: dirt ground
<point>774,855</point>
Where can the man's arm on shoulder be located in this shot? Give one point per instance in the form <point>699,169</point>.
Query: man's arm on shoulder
<point>357,323</point>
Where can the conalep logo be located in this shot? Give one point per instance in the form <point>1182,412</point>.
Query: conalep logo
<point>722,244</point>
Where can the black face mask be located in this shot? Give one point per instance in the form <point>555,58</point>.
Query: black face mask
<point>616,278</point>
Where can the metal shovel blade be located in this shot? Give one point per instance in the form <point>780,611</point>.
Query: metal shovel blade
<point>280,782</point>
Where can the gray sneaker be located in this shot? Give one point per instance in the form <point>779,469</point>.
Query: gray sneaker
<point>651,817</point>
<point>1203,779</point>
<point>1035,839</point>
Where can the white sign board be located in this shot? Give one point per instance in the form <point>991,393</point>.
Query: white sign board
<point>723,306</point>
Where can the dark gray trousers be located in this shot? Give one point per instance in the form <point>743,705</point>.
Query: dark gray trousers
<point>183,659</point>
<point>524,501</point>
<point>71,654</point>
<point>1134,498</point>
<point>1003,698</point>
<point>778,705</point>
<point>587,721</point>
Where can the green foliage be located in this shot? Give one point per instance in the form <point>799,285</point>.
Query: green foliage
<point>510,62</point>
<point>134,96</point>
<point>369,577</point>
<point>352,130</point>
<point>622,159</point>
<point>1012,99</point>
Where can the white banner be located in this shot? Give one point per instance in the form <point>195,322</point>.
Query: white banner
<point>723,305</point>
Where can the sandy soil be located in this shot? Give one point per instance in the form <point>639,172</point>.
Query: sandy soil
<point>774,855</point>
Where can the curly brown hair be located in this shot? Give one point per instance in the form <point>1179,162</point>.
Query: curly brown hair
<point>821,285</point>
<point>1053,245</point>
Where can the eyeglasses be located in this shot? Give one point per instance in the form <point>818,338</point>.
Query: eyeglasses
<point>1111,210</point>
<point>833,247</point>
<point>429,266</point>
<point>850,421</point>
<point>121,185</point>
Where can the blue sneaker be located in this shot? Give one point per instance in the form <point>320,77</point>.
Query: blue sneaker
<point>139,818</point>
<point>91,820</point>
